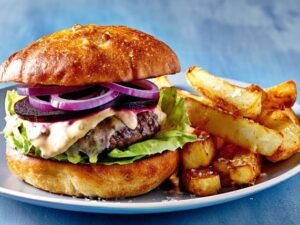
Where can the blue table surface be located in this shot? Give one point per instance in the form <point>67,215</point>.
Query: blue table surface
<point>256,41</point>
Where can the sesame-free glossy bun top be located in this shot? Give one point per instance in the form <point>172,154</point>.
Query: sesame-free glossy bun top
<point>90,54</point>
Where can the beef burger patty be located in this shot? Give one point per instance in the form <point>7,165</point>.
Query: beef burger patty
<point>113,133</point>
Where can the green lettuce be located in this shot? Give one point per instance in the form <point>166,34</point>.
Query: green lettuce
<point>11,98</point>
<point>175,132</point>
<point>14,132</point>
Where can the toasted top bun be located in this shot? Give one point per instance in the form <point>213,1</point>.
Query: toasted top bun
<point>90,54</point>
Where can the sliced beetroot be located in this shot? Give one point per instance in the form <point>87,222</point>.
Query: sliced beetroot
<point>27,112</point>
<point>130,102</point>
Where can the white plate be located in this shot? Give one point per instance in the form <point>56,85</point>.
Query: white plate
<point>157,201</point>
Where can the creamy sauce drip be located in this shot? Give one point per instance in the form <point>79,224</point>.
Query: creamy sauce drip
<point>56,138</point>
<point>129,118</point>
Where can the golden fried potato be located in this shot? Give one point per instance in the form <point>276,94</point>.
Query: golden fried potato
<point>175,181</point>
<point>287,124</point>
<point>228,97</point>
<point>240,131</point>
<point>281,96</point>
<point>222,166</point>
<point>162,81</point>
<point>255,88</point>
<point>201,99</point>
<point>237,166</point>
<point>199,153</point>
<point>201,182</point>
<point>245,168</point>
<point>218,142</point>
<point>237,125</point>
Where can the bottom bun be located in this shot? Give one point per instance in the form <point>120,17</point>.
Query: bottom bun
<point>95,180</point>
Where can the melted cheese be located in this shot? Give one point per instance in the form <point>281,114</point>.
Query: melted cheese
<point>56,138</point>
<point>12,122</point>
<point>129,118</point>
<point>101,137</point>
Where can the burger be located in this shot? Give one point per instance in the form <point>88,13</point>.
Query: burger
<point>85,121</point>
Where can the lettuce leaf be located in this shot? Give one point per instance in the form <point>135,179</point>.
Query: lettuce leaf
<point>11,98</point>
<point>14,131</point>
<point>175,132</point>
<point>165,141</point>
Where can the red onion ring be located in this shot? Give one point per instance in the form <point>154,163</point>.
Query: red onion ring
<point>151,90</point>
<point>42,90</point>
<point>26,111</point>
<point>143,90</point>
<point>40,104</point>
<point>83,104</point>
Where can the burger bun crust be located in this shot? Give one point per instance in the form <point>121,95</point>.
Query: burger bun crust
<point>90,54</point>
<point>93,180</point>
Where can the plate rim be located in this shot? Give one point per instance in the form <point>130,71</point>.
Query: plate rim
<point>171,205</point>
<point>99,206</point>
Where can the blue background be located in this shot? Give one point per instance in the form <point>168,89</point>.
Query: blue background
<point>255,41</point>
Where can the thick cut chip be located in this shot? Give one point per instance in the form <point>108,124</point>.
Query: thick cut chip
<point>199,153</point>
<point>201,182</point>
<point>163,82</point>
<point>281,96</point>
<point>237,166</point>
<point>238,130</point>
<point>237,100</point>
<point>287,124</point>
